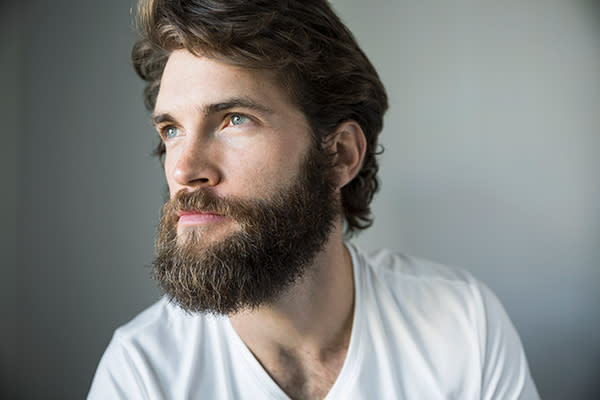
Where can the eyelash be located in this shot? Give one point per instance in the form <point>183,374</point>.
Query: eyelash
<point>229,118</point>
<point>163,131</point>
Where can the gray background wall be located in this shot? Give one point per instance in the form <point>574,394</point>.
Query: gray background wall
<point>492,155</point>
<point>10,104</point>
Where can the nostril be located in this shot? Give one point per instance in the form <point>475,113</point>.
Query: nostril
<point>191,171</point>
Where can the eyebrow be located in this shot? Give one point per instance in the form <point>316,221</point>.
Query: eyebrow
<point>207,110</point>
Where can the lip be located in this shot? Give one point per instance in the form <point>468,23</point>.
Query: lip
<point>198,218</point>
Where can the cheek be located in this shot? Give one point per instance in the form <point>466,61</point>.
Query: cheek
<point>262,169</point>
<point>248,174</point>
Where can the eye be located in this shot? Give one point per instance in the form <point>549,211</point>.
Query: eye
<point>169,132</point>
<point>238,119</point>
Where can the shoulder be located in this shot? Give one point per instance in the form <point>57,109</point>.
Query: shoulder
<point>150,352</point>
<point>164,331</point>
<point>398,272</point>
<point>444,293</point>
<point>153,321</point>
<point>424,294</point>
<point>456,319</point>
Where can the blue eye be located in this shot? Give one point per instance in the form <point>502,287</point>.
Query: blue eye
<point>171,132</point>
<point>238,119</point>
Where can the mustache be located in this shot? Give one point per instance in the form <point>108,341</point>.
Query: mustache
<point>206,201</point>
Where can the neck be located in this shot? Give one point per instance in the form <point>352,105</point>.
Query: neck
<point>313,317</point>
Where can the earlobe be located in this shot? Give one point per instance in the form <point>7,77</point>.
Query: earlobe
<point>348,143</point>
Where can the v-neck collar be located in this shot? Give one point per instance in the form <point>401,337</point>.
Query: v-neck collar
<point>352,362</point>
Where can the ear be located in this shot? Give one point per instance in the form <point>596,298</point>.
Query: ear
<point>348,144</point>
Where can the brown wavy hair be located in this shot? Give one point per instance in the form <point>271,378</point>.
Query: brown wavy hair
<point>315,57</point>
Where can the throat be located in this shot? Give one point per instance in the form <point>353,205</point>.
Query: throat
<point>303,376</point>
<point>303,371</point>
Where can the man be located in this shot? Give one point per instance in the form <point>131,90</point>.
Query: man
<point>269,114</point>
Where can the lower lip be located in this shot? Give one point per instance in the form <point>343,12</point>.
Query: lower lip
<point>199,219</point>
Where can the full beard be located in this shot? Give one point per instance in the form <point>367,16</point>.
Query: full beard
<point>275,242</point>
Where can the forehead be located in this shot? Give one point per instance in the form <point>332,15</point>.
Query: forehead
<point>190,79</point>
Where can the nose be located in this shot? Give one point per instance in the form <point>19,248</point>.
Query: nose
<point>195,165</point>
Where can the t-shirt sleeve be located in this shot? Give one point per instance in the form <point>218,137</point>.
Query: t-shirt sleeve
<point>505,372</point>
<point>116,376</point>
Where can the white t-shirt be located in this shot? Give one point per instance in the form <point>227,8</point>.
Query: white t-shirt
<point>420,331</point>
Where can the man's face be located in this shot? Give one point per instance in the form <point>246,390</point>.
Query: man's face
<point>226,129</point>
<point>251,198</point>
